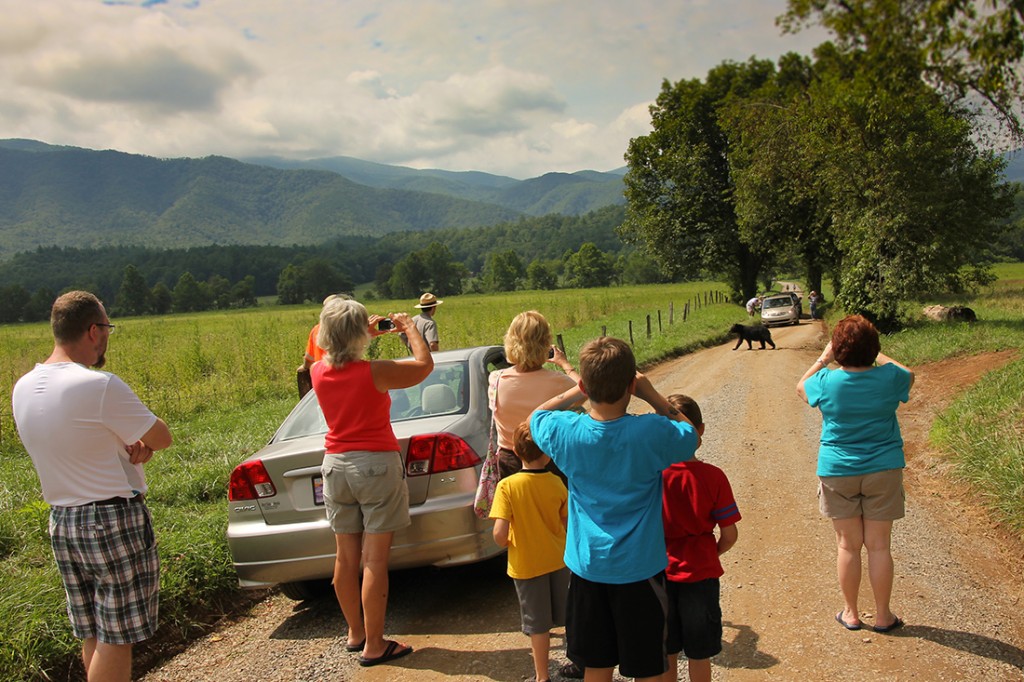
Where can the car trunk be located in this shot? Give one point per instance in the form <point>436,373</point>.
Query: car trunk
<point>294,468</point>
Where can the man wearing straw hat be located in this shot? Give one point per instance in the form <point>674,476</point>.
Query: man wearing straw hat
<point>425,321</point>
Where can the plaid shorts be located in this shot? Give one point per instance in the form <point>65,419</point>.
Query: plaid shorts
<point>107,557</point>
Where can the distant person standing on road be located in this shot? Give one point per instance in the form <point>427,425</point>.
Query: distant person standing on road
<point>425,322</point>
<point>89,436</point>
<point>364,476</point>
<point>814,298</point>
<point>860,460</point>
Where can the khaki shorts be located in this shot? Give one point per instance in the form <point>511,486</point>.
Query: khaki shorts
<point>365,492</point>
<point>875,497</point>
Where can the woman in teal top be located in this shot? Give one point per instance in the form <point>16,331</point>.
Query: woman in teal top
<point>860,460</point>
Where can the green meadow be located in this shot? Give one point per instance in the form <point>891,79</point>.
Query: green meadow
<point>225,380</point>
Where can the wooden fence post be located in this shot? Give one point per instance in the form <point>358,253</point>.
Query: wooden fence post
<point>561,344</point>
<point>631,333</point>
<point>648,325</point>
<point>671,313</point>
<point>660,331</point>
<point>604,330</point>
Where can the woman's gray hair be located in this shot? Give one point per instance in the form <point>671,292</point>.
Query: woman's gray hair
<point>344,331</point>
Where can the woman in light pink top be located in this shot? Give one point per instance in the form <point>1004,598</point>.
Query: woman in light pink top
<point>517,391</point>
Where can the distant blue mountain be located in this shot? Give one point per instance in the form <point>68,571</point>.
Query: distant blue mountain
<point>66,196</point>
<point>565,193</point>
<point>1014,166</point>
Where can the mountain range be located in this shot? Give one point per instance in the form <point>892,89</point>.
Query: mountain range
<point>68,196</point>
<point>54,195</point>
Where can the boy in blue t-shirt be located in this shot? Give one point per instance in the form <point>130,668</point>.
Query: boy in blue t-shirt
<point>615,546</point>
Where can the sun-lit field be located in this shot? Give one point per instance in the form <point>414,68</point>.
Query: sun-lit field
<point>223,381</point>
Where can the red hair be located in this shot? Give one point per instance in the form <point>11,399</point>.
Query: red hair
<point>855,342</point>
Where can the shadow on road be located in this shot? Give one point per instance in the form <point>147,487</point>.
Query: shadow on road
<point>501,666</point>
<point>742,651</point>
<point>968,642</point>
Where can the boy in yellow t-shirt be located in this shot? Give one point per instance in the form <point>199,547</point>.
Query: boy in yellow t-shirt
<point>529,512</point>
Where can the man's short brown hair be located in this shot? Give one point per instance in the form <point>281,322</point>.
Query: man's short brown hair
<point>523,445</point>
<point>607,367</point>
<point>73,313</point>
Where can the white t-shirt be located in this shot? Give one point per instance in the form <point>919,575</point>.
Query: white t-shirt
<point>74,423</point>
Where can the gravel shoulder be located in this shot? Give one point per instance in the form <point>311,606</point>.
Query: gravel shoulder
<point>958,577</point>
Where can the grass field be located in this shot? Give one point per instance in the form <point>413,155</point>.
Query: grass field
<point>224,380</point>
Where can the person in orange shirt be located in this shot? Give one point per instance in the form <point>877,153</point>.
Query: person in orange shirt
<point>313,354</point>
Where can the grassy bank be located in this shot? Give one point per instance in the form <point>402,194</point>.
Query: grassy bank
<point>224,381</point>
<point>982,432</point>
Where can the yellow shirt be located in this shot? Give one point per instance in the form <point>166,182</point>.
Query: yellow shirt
<point>534,502</point>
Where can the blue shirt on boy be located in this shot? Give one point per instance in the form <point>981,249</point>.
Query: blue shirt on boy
<point>614,469</point>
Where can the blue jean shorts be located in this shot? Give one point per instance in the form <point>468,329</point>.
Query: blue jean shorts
<point>107,557</point>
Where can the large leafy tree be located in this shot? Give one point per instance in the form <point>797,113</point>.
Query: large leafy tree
<point>777,202</point>
<point>503,270</point>
<point>133,296</point>
<point>431,269</point>
<point>968,51</point>
<point>680,184</point>
<point>588,267</point>
<point>914,204</point>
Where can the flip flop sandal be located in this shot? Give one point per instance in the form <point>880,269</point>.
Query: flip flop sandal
<point>355,647</point>
<point>848,626</point>
<point>898,623</point>
<point>394,650</point>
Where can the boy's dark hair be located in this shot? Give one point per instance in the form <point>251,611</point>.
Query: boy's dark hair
<point>73,313</point>
<point>607,367</point>
<point>523,445</point>
<point>688,406</point>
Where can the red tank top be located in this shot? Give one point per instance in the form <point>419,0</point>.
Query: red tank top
<point>358,415</point>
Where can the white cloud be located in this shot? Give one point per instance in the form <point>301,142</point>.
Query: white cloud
<point>518,88</point>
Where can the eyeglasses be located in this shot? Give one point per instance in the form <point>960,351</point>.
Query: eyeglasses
<point>104,324</point>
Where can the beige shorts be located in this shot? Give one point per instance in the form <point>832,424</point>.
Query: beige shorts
<point>365,492</point>
<point>876,497</point>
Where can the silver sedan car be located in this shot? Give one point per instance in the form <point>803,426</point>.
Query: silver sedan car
<point>277,525</point>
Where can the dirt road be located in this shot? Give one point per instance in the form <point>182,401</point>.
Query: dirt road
<point>958,580</point>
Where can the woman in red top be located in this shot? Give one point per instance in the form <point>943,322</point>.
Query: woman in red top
<point>364,476</point>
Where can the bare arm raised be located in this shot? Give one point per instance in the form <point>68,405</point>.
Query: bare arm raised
<point>388,374</point>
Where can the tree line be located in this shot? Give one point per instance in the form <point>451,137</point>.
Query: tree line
<point>872,162</point>
<point>536,253</point>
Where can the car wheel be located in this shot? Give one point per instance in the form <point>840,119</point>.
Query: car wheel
<point>306,590</point>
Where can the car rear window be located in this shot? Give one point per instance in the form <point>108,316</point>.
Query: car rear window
<point>445,391</point>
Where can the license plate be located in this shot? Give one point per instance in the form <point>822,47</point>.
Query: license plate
<point>318,490</point>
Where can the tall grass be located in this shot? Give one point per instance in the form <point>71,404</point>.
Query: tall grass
<point>224,381</point>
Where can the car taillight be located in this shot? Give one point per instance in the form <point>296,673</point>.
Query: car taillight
<point>250,481</point>
<point>438,452</point>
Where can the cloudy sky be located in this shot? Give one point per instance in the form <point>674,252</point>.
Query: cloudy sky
<point>513,87</point>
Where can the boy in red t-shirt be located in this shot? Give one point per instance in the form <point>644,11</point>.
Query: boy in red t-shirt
<point>697,497</point>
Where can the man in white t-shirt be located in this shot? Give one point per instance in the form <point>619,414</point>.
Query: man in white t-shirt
<point>88,436</point>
